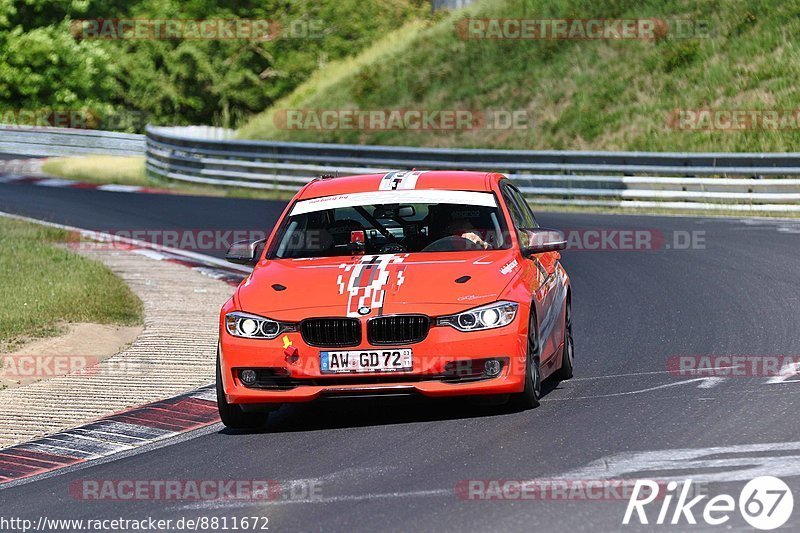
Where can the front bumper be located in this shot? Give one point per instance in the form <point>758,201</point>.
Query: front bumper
<point>434,360</point>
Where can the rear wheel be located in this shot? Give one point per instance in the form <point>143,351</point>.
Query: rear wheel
<point>232,415</point>
<point>529,397</point>
<point>568,355</point>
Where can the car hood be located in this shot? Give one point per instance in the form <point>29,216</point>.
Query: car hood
<point>288,289</point>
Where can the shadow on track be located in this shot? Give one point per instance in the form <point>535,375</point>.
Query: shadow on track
<point>342,413</point>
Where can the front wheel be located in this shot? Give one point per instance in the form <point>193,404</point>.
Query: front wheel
<point>529,397</point>
<point>232,415</point>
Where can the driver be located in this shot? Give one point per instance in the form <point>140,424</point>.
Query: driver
<point>461,227</point>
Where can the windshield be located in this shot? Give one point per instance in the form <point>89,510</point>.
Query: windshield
<point>342,225</point>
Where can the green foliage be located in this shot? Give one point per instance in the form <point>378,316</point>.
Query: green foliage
<point>128,82</point>
<point>594,94</point>
<point>46,67</point>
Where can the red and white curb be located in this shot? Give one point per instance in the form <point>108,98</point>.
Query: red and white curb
<point>228,276</point>
<point>71,184</point>
<point>113,434</point>
<point>135,427</point>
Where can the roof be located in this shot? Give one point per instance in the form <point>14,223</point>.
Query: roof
<point>454,180</point>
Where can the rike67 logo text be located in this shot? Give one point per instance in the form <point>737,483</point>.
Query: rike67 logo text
<point>765,503</point>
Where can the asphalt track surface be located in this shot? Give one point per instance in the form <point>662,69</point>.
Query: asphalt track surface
<point>394,466</point>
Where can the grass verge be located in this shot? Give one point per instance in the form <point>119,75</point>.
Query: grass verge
<point>44,286</point>
<point>605,94</point>
<point>101,169</point>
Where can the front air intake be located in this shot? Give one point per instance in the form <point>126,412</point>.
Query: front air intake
<point>331,332</point>
<point>397,329</point>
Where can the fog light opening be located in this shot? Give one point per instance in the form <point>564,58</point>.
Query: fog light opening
<point>248,376</point>
<point>492,368</point>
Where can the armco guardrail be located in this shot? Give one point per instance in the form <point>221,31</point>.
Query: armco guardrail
<point>707,181</point>
<point>45,142</point>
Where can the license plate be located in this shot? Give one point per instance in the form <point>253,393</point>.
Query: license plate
<point>391,360</point>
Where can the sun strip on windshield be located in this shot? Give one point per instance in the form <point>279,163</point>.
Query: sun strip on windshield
<point>412,196</point>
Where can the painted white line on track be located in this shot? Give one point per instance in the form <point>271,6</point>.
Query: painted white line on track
<point>791,370</point>
<point>710,383</point>
<point>611,376</point>
<point>738,462</point>
<point>626,393</point>
<point>655,372</point>
<point>232,504</point>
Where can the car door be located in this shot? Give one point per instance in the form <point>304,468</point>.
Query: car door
<point>548,293</point>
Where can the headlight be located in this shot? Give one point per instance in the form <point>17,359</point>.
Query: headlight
<point>490,316</point>
<point>250,326</point>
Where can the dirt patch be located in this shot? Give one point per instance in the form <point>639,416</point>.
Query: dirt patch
<point>82,346</point>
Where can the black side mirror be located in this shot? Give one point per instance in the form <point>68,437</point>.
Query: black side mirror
<point>245,252</point>
<point>542,240</point>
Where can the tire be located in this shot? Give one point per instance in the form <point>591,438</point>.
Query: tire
<point>232,415</point>
<point>568,354</point>
<point>529,397</point>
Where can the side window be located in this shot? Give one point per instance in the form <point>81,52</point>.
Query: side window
<point>525,209</point>
<point>517,216</point>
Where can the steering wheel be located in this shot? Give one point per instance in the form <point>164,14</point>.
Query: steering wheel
<point>451,243</point>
